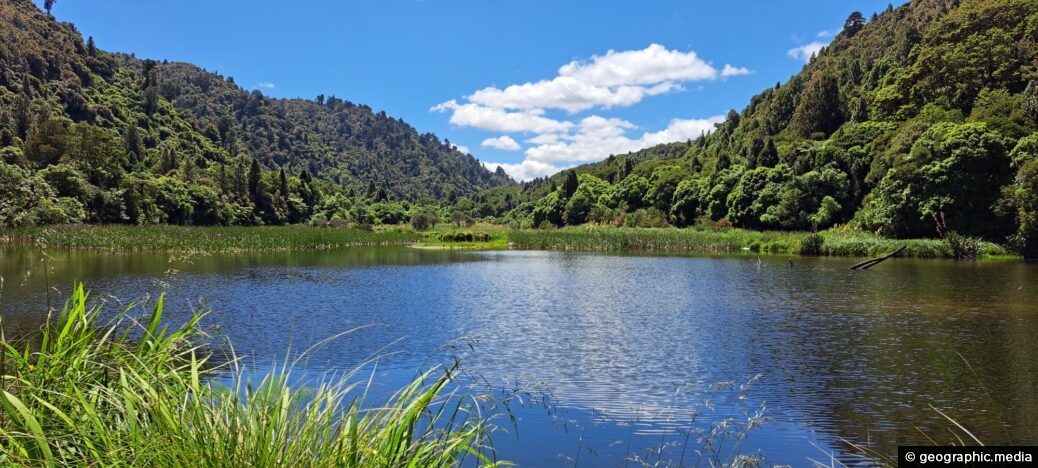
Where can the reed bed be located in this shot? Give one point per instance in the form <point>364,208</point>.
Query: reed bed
<point>861,244</point>
<point>133,393</point>
<point>654,240</point>
<point>205,239</point>
<point>837,243</point>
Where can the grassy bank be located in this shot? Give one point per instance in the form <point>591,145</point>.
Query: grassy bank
<point>692,240</point>
<point>85,394</point>
<point>205,239</point>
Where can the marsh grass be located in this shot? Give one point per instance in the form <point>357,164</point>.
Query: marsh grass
<point>834,242</point>
<point>135,393</point>
<point>602,238</point>
<point>205,239</point>
<point>837,243</point>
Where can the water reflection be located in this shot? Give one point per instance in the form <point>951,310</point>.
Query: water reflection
<point>629,346</point>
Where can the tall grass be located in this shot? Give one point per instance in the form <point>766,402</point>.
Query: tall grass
<point>132,393</point>
<point>654,239</point>
<point>838,243</point>
<point>205,239</point>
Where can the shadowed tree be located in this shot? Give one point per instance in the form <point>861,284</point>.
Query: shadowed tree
<point>854,23</point>
<point>569,187</point>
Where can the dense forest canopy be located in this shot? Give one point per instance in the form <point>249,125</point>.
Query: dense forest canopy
<point>91,136</point>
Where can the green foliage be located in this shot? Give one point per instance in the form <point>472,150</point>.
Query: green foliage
<point>424,221</point>
<point>954,170</point>
<point>963,246</point>
<point>812,245</point>
<point>589,190</point>
<point>1020,199</point>
<point>465,236</point>
<point>646,218</point>
<point>550,209</point>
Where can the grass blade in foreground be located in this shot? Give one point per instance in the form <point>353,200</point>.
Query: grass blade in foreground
<point>81,393</point>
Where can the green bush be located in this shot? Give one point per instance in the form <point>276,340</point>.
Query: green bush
<point>812,245</point>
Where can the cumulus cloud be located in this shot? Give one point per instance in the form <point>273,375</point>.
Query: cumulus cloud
<point>503,142</point>
<point>265,85</point>
<point>526,170</point>
<point>500,120</point>
<point>805,51</point>
<point>734,71</point>
<point>616,79</point>
<point>462,149</point>
<point>598,137</point>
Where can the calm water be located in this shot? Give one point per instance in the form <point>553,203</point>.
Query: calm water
<point>633,350</point>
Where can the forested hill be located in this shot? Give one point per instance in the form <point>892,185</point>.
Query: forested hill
<point>87,135</point>
<point>913,122</point>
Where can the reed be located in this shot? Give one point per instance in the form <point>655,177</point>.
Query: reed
<point>205,239</point>
<point>699,240</point>
<point>135,393</point>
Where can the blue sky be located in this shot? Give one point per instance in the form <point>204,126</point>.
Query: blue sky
<point>535,86</point>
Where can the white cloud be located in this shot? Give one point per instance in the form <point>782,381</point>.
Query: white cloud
<point>503,142</point>
<point>265,85</point>
<point>500,120</point>
<point>822,34</point>
<point>462,149</point>
<point>598,137</point>
<point>525,170</point>
<point>654,64</point>
<point>681,130</point>
<point>616,79</point>
<point>805,51</point>
<point>734,71</point>
<point>567,93</point>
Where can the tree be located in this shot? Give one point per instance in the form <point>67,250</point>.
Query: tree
<point>854,23</point>
<point>569,187</point>
<point>98,153</point>
<point>255,173</point>
<point>955,171</point>
<point>819,108</point>
<point>549,209</point>
<point>48,4</point>
<point>424,220</point>
<point>1020,199</point>
<point>283,184</point>
<point>1030,99</point>
<point>586,196</point>
<point>47,142</point>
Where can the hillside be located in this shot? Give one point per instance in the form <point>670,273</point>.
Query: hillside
<point>915,122</point>
<point>87,135</point>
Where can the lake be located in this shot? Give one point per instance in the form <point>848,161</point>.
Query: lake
<point>623,356</point>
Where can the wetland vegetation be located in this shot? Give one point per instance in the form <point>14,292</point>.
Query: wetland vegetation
<point>132,391</point>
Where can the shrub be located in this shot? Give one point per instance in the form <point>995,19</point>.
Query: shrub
<point>424,221</point>
<point>963,246</point>
<point>812,245</point>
